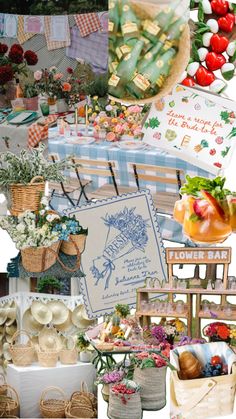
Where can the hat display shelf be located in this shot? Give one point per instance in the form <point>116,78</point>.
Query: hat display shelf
<point>193,290</point>
<point>46,314</point>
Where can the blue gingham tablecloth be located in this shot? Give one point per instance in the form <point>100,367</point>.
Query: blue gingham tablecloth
<point>60,148</point>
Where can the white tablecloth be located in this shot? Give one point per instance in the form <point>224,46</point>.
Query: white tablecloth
<point>30,381</point>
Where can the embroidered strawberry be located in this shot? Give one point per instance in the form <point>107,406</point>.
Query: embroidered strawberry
<point>218,165</point>
<point>188,81</point>
<point>204,77</point>
<point>226,23</point>
<point>220,7</point>
<point>219,140</point>
<point>218,43</point>
<point>212,151</point>
<point>214,61</point>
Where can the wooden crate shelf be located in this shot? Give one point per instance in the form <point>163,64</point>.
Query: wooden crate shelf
<point>183,315</point>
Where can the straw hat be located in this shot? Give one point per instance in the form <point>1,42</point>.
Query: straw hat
<point>10,330</point>
<point>49,339</point>
<point>11,313</point>
<point>67,325</point>
<point>6,352</point>
<point>29,322</point>
<point>3,316</point>
<point>41,312</point>
<point>80,318</point>
<point>59,311</point>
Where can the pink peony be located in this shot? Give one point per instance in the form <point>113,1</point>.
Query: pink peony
<point>58,76</point>
<point>118,128</point>
<point>111,136</point>
<point>38,75</point>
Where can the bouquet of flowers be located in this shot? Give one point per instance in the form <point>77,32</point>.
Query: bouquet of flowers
<point>111,376</point>
<point>68,225</point>
<point>217,331</point>
<point>125,389</point>
<point>14,61</point>
<point>57,85</point>
<point>30,230</point>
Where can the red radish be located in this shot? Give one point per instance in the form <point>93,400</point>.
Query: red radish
<point>213,202</point>
<point>204,77</point>
<point>217,164</point>
<point>188,81</point>
<point>219,43</point>
<point>226,23</point>
<point>214,61</point>
<point>220,7</point>
<point>219,140</point>
<point>217,86</point>
<point>216,360</point>
<point>212,152</point>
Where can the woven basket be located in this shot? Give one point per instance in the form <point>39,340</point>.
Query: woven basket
<point>69,248</point>
<point>204,397</point>
<point>47,358</point>
<point>9,403</point>
<point>39,259</point>
<point>22,353</point>
<point>153,387</point>
<point>145,10</point>
<point>53,408</point>
<point>26,197</point>
<point>79,411</point>
<point>69,356</point>
<point>83,394</point>
<point>117,409</point>
<point>106,392</point>
<point>3,389</point>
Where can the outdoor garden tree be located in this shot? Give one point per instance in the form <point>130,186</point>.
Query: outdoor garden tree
<point>51,7</point>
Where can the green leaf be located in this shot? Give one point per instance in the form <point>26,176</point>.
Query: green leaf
<point>200,14</point>
<point>232,133</point>
<point>194,218</point>
<point>225,152</point>
<point>194,54</point>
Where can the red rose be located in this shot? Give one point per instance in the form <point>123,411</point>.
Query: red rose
<point>16,48</point>
<point>15,57</point>
<point>6,74</point>
<point>30,57</point>
<point>3,48</point>
<point>69,70</point>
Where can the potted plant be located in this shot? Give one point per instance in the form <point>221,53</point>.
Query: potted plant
<point>83,345</point>
<point>72,234</point>
<point>30,97</point>
<point>49,285</point>
<point>23,178</point>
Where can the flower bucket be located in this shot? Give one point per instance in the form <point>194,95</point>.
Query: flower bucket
<point>26,197</point>
<point>106,392</point>
<point>39,259</point>
<point>69,248</point>
<point>153,387</point>
<point>124,408</point>
<point>31,103</point>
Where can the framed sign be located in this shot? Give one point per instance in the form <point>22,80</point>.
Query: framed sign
<point>123,248</point>
<point>198,256</point>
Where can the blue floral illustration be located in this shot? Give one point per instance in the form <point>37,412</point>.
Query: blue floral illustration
<point>132,235</point>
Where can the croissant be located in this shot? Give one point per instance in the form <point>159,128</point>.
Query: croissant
<point>189,365</point>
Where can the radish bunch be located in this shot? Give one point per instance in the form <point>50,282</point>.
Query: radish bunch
<point>211,49</point>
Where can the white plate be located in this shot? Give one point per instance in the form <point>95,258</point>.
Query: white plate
<point>131,144</point>
<point>80,140</point>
